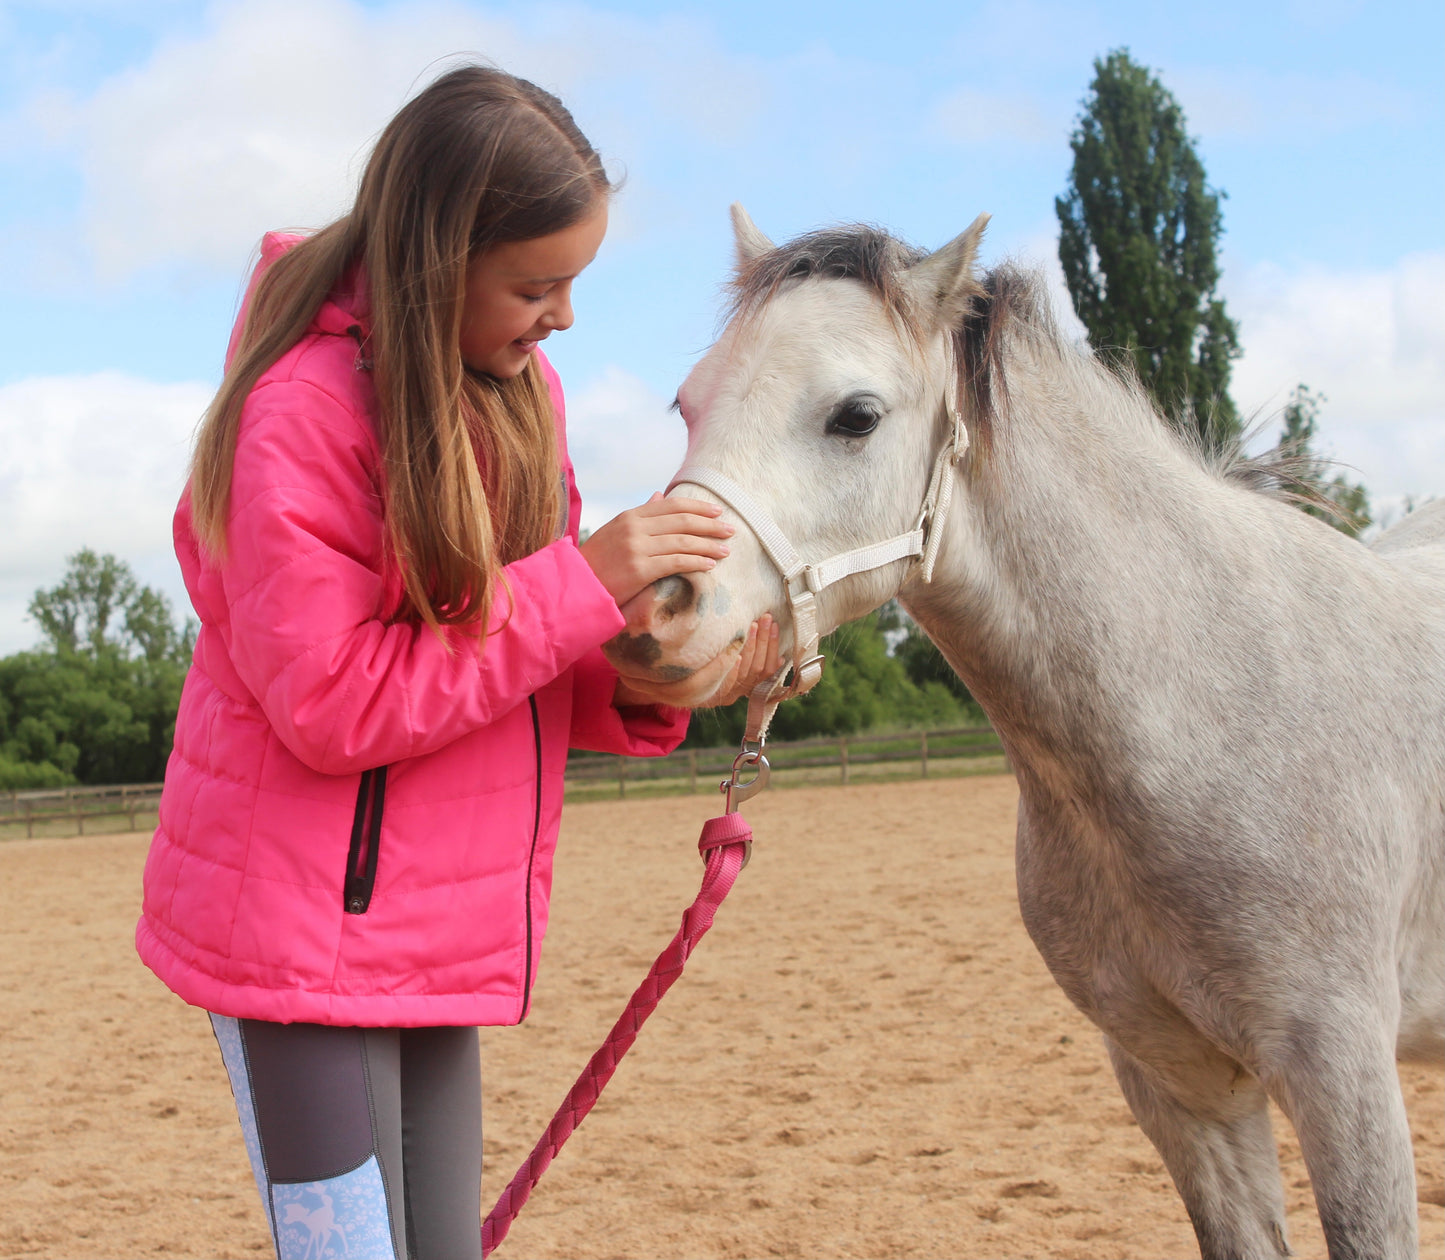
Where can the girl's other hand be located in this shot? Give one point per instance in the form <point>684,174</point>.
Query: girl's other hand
<point>660,538</point>
<point>757,662</point>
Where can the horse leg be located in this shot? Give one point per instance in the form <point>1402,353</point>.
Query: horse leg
<point>1340,1089</point>
<point>1209,1120</point>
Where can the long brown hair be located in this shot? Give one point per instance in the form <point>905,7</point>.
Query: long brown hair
<point>470,473</point>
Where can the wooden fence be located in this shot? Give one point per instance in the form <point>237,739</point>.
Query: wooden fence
<point>70,811</point>
<point>833,759</point>
<point>836,759</point>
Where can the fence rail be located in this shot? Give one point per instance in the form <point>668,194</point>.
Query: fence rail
<point>67,811</point>
<point>835,759</point>
<point>838,759</point>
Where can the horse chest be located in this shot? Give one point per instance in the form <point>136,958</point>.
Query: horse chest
<point>1096,926</point>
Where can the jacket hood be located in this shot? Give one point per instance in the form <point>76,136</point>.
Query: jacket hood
<point>346,307</point>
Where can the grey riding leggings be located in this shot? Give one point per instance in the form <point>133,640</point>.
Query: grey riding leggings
<point>365,1142</point>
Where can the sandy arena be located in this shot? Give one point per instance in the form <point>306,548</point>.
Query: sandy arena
<point>865,1058</point>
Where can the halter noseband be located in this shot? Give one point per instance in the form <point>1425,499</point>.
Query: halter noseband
<point>804,582</point>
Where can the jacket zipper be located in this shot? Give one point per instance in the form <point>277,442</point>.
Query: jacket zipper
<point>365,842</point>
<point>531,857</point>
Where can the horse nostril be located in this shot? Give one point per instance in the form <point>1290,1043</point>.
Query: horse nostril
<point>675,595</point>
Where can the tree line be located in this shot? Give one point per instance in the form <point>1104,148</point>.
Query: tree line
<point>1139,229</point>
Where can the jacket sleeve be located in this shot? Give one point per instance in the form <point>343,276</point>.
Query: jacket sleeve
<point>344,689</point>
<point>598,725</point>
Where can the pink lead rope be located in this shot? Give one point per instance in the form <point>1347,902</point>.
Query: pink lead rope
<point>725,844</point>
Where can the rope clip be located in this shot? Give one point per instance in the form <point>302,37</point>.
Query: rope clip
<point>736,789</point>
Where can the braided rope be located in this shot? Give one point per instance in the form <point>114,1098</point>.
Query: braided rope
<point>724,844</point>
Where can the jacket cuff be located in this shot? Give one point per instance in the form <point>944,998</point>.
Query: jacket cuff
<point>598,725</point>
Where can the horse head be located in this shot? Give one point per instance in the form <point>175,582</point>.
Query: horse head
<point>819,419</point>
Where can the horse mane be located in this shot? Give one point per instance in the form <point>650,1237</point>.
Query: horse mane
<point>1012,302</point>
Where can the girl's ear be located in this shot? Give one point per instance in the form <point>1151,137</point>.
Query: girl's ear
<point>943,283</point>
<point>748,241</point>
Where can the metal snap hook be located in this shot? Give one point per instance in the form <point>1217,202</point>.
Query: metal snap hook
<point>737,789</point>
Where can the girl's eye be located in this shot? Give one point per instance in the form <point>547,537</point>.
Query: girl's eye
<point>855,418</point>
<point>533,297</point>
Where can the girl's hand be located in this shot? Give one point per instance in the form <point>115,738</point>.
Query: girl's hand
<point>656,540</point>
<point>756,661</point>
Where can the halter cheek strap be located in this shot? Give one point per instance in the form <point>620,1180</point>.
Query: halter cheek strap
<point>804,582</point>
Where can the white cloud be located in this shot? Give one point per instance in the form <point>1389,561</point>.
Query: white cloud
<point>1373,342</point>
<point>624,442</point>
<point>264,119</point>
<point>253,125</point>
<point>88,461</point>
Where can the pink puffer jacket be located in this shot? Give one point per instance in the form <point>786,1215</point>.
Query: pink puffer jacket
<point>359,820</point>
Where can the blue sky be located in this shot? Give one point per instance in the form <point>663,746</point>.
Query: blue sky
<point>145,145</point>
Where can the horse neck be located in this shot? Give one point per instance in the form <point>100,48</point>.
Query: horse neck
<point>1082,537</point>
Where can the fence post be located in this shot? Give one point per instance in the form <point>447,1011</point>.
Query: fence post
<point>843,756</point>
<point>80,822</point>
<point>621,777</point>
<point>692,770</point>
<point>923,752</point>
<point>29,819</point>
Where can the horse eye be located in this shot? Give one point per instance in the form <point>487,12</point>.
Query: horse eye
<point>854,419</point>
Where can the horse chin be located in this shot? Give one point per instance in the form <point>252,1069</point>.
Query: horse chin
<point>639,665</point>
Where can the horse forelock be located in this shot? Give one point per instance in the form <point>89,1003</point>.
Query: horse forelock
<point>858,252</point>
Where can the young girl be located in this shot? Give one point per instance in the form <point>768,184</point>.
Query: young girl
<point>399,640</point>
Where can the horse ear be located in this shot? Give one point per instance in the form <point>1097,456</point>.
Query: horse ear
<point>749,242</point>
<point>944,282</point>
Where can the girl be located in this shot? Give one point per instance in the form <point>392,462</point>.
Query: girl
<point>399,639</point>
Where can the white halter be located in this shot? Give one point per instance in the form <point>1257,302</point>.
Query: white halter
<point>802,582</point>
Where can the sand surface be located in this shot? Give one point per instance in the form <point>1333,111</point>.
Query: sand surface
<point>865,1058</point>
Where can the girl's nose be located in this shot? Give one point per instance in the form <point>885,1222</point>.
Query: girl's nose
<point>560,317</point>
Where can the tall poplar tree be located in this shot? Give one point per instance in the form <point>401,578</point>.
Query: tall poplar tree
<point>1139,228</point>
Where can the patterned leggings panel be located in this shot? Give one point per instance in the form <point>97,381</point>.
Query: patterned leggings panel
<point>366,1143</point>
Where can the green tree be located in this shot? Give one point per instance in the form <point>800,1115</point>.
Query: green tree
<point>97,703</point>
<point>924,663</point>
<point>1139,229</point>
<point>1345,504</point>
<point>78,613</point>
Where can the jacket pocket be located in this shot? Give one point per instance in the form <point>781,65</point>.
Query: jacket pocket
<point>365,842</point>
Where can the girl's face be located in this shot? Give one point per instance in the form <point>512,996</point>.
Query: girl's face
<point>520,293</point>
